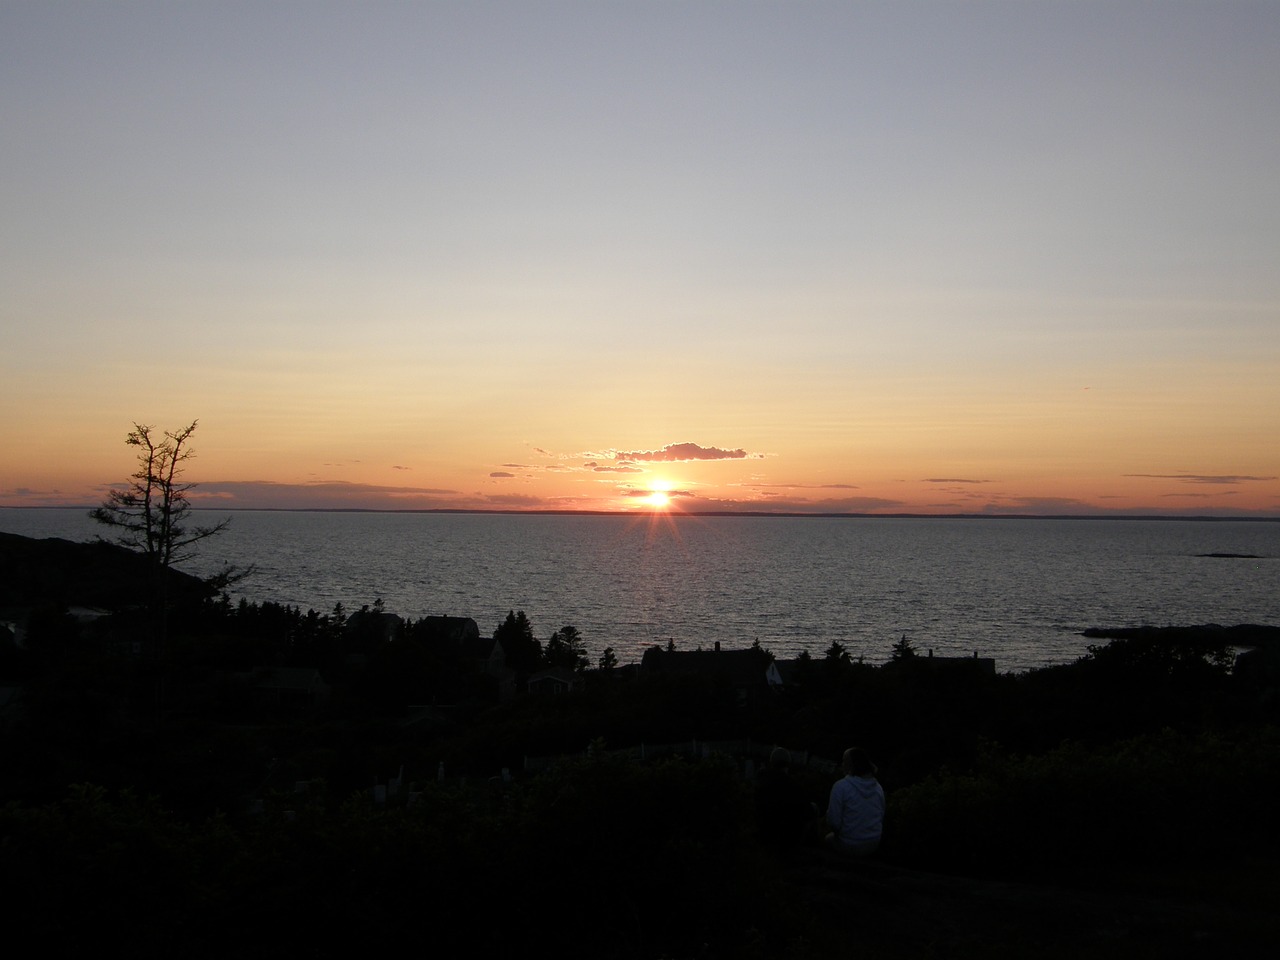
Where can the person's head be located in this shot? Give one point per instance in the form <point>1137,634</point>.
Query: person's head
<point>780,758</point>
<point>857,762</point>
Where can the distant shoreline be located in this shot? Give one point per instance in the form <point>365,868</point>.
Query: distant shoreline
<point>694,515</point>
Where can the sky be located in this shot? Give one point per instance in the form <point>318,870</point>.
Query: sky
<point>864,257</point>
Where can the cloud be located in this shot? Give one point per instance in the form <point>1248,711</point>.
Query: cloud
<point>953,480</point>
<point>800,486</point>
<point>1040,505</point>
<point>1065,507</point>
<point>517,500</point>
<point>501,475</point>
<point>338,486</point>
<point>396,467</point>
<point>774,503</point>
<point>27,496</point>
<point>622,467</point>
<point>1202,478</point>
<point>677,452</point>
<point>669,494</point>
<point>322,495</point>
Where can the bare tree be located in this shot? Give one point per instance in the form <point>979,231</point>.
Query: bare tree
<point>151,514</point>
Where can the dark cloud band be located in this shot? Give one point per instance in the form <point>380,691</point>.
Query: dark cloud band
<point>675,452</point>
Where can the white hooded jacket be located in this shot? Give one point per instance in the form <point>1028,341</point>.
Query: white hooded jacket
<point>856,810</point>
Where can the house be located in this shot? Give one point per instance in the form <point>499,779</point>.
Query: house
<point>295,687</point>
<point>983,665</point>
<point>487,657</point>
<point>749,673</point>
<point>487,654</point>
<point>374,626</point>
<point>458,638</point>
<point>555,680</point>
<point>452,630</point>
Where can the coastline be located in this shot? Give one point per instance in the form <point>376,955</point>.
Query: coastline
<point>678,514</point>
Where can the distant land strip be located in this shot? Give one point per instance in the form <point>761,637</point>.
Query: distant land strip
<point>1240,635</point>
<point>695,514</point>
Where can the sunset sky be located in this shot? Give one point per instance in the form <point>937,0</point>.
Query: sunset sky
<point>922,257</point>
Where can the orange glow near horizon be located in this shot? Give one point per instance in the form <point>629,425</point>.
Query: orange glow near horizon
<point>512,332</point>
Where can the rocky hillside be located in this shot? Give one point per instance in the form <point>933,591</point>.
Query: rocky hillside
<point>37,573</point>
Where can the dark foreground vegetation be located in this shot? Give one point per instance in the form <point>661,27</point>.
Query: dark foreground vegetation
<point>160,793</point>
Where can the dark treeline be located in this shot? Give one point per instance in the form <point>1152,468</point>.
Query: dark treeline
<point>156,796</point>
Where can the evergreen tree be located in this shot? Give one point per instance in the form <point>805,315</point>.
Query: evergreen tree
<point>565,649</point>
<point>903,650</point>
<point>523,651</point>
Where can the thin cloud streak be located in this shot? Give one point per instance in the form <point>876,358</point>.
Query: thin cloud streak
<point>801,486</point>
<point>1218,479</point>
<point>843,505</point>
<point>324,495</point>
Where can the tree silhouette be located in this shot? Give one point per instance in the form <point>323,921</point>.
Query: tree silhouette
<point>150,513</point>
<point>836,653</point>
<point>565,649</point>
<point>903,650</point>
<point>522,649</point>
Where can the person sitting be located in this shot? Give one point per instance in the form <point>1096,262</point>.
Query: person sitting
<point>855,812</point>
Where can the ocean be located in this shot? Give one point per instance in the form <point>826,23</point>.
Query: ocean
<point>1018,590</point>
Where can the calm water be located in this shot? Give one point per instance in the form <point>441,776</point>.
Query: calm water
<point>1017,590</point>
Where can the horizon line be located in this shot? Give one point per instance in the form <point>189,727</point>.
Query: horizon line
<point>746,514</point>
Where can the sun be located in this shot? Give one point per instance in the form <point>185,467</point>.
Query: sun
<point>658,499</point>
<point>659,495</point>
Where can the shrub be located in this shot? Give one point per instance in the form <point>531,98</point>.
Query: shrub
<point>1161,797</point>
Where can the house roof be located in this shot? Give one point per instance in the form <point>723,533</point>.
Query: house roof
<point>555,673</point>
<point>455,629</point>
<point>748,666</point>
